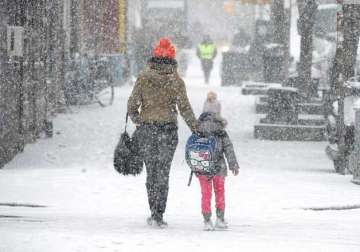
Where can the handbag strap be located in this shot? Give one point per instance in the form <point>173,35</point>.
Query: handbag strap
<point>126,120</point>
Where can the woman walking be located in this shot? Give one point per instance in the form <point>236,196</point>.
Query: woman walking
<point>157,95</point>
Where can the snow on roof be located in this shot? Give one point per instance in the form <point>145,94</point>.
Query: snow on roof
<point>354,84</point>
<point>273,45</point>
<point>290,89</point>
<point>327,6</point>
<point>357,104</point>
<point>260,84</point>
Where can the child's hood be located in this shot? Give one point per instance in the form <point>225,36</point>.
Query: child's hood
<point>210,123</point>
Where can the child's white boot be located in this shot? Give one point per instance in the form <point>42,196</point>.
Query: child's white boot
<point>220,220</point>
<point>221,224</point>
<point>208,225</point>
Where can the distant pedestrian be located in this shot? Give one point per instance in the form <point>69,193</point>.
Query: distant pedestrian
<point>158,94</point>
<point>212,104</point>
<point>206,51</point>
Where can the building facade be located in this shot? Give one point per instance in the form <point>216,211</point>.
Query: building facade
<point>31,67</point>
<point>38,39</point>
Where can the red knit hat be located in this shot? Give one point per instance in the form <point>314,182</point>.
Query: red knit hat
<point>165,49</point>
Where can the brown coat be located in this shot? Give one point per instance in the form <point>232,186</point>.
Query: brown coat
<point>158,93</point>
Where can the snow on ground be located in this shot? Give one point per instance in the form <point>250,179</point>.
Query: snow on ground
<point>91,208</point>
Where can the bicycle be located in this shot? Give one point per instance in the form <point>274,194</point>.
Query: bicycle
<point>89,82</point>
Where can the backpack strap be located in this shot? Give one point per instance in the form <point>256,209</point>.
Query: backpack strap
<point>190,178</point>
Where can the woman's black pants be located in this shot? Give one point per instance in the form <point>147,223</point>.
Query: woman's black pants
<point>157,147</point>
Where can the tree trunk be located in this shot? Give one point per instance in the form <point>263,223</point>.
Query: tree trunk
<point>307,10</point>
<point>279,20</point>
<point>351,38</point>
<point>75,28</point>
<point>281,27</point>
<point>343,69</point>
<point>279,32</point>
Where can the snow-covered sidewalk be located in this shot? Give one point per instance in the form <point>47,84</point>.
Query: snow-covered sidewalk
<point>89,207</point>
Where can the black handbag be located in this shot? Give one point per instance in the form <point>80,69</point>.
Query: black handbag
<point>127,158</point>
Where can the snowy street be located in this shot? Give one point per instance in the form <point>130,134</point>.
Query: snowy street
<point>75,201</point>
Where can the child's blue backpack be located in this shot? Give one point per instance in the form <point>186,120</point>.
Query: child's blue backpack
<point>200,155</point>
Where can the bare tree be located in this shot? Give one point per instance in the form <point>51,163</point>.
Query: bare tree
<point>307,11</point>
<point>351,38</point>
<point>278,17</point>
<point>75,28</point>
<point>344,68</point>
<point>281,26</point>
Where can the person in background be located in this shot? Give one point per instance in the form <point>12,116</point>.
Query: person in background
<point>206,52</point>
<point>212,104</point>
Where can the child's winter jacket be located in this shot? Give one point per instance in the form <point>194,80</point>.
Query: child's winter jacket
<point>212,124</point>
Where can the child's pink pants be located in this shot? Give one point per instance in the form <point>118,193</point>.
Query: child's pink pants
<point>206,192</point>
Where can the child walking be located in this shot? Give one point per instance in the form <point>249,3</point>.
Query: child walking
<point>211,123</point>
